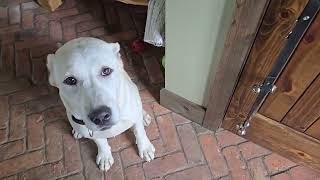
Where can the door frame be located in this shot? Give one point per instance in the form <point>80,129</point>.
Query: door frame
<point>238,43</point>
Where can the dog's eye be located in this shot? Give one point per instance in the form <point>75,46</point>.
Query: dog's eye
<point>106,71</point>
<point>70,81</point>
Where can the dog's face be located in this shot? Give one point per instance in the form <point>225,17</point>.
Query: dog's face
<point>87,73</point>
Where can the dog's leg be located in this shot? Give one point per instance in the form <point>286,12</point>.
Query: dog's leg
<point>146,149</point>
<point>146,118</point>
<point>104,158</point>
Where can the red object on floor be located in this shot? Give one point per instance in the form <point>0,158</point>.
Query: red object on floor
<point>138,46</point>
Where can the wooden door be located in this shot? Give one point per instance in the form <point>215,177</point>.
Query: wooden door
<point>288,121</point>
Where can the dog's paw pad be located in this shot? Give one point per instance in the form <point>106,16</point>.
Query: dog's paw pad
<point>146,119</point>
<point>76,135</point>
<point>104,160</point>
<point>147,151</point>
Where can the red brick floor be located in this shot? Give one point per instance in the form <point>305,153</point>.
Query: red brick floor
<point>35,138</point>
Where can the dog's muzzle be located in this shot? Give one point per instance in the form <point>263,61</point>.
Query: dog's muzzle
<point>101,116</point>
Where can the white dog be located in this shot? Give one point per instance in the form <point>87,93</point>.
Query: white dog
<point>100,99</point>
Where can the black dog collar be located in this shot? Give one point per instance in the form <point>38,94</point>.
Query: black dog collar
<point>79,121</point>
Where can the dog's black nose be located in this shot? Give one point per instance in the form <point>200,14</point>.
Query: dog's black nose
<point>100,115</point>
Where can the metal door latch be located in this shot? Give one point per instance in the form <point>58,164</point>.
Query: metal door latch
<point>241,128</point>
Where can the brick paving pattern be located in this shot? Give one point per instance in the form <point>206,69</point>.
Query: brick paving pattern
<point>35,137</point>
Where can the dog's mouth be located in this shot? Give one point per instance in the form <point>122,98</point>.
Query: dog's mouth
<point>81,122</point>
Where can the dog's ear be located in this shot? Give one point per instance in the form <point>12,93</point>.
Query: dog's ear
<point>115,47</point>
<point>50,59</point>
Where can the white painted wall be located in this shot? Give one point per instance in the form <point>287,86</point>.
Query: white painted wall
<point>195,34</point>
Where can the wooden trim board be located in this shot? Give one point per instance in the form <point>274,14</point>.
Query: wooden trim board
<point>283,140</point>
<point>246,19</point>
<point>182,106</point>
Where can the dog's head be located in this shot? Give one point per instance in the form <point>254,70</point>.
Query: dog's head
<point>87,73</point>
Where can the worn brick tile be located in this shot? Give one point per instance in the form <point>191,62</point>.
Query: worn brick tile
<point>35,137</point>
<point>55,31</point>
<point>116,171</point>
<point>28,94</point>
<point>226,178</point>
<point>84,34</point>
<point>122,141</point>
<point>29,6</point>
<point>4,111</point>
<point>3,136</point>
<point>98,31</point>
<point>250,150</point>
<point>300,172</point>
<point>159,110</point>
<point>199,172</point>
<point>14,14</point>
<point>257,169</point>
<point>56,15</point>
<point>39,71</point>
<point>41,24</point>
<point>10,29</point>
<point>3,16</point>
<point>13,86</point>
<point>14,177</point>
<point>152,129</point>
<point>88,153</point>
<point>54,113</point>
<point>7,62</point>
<point>199,129</point>
<point>34,41</point>
<point>54,144</point>
<point>125,19</point>
<point>72,158</point>
<point>168,133</point>
<point>154,69</point>
<point>178,119</point>
<point>21,163</point>
<point>74,177</point>
<point>72,20</point>
<point>23,64</point>
<point>27,19</point>
<point>236,165</point>
<point>17,128</point>
<point>282,176</point>
<point>226,138</point>
<point>69,32</point>
<point>89,25</point>
<point>11,149</point>
<point>120,36</point>
<point>190,144</point>
<point>39,105</point>
<point>130,156</point>
<point>134,172</point>
<point>43,50</point>
<point>276,163</point>
<point>68,4</point>
<point>146,96</point>
<point>164,165</point>
<point>48,171</point>
<point>213,155</point>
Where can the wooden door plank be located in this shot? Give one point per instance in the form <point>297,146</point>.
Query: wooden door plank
<point>289,143</point>
<point>237,46</point>
<point>306,110</point>
<point>314,130</point>
<point>277,23</point>
<point>302,69</point>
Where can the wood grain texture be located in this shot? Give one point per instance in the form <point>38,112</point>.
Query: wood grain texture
<point>182,106</point>
<point>236,48</point>
<point>277,23</point>
<point>302,69</point>
<point>283,140</point>
<point>314,130</point>
<point>306,110</point>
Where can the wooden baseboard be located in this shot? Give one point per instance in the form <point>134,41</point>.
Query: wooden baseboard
<point>180,105</point>
<point>283,140</point>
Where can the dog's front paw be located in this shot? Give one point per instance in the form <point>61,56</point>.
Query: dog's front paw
<point>104,160</point>
<point>146,150</point>
<point>76,135</point>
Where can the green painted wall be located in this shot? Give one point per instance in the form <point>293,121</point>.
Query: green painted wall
<point>195,34</point>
